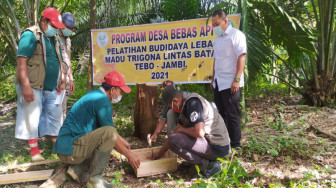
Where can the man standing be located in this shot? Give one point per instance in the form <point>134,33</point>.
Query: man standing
<point>88,136</point>
<point>39,79</point>
<point>228,77</point>
<point>201,136</point>
<point>69,22</point>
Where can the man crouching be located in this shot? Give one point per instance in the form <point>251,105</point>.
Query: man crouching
<point>87,136</point>
<point>201,135</point>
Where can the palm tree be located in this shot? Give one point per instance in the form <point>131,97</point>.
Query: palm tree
<point>311,55</point>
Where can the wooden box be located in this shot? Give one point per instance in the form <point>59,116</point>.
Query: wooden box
<point>150,167</point>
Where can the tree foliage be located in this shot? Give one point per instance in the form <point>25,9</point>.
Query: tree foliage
<point>310,47</point>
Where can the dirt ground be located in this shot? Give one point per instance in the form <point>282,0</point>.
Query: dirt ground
<point>319,162</point>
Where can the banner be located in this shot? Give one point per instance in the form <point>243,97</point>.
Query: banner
<point>180,51</point>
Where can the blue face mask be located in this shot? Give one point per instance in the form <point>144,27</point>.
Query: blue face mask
<point>50,32</point>
<point>66,32</point>
<point>218,30</point>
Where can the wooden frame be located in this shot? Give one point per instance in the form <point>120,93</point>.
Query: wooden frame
<point>150,167</point>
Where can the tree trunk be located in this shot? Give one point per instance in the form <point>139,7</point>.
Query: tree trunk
<point>145,111</point>
<point>92,26</point>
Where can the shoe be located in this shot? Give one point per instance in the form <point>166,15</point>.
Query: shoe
<point>212,169</point>
<point>96,170</point>
<point>37,157</point>
<point>78,172</point>
<point>185,164</point>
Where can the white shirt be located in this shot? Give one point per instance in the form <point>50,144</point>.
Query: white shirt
<point>227,48</point>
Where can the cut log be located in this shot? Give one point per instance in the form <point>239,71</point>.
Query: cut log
<point>145,111</point>
<point>27,165</point>
<point>25,177</point>
<point>57,179</point>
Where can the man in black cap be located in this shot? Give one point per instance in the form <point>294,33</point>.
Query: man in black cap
<point>168,116</point>
<point>201,135</point>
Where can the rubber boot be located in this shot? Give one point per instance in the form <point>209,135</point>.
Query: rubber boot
<point>96,170</point>
<point>78,172</point>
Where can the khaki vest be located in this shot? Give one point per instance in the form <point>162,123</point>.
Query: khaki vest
<point>215,128</point>
<point>36,65</point>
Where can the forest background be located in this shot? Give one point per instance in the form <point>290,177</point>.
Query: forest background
<point>287,104</point>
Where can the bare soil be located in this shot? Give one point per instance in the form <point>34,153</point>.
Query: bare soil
<point>319,159</point>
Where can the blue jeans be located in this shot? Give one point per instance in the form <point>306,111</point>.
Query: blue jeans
<point>37,118</point>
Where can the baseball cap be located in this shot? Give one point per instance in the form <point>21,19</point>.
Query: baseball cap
<point>166,83</point>
<point>115,78</point>
<point>54,16</point>
<point>168,93</point>
<point>69,20</point>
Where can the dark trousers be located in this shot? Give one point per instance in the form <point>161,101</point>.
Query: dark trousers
<point>228,107</point>
<point>195,150</point>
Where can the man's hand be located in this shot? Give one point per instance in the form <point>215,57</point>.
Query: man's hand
<point>72,87</point>
<point>61,88</point>
<point>153,137</point>
<point>157,156</point>
<point>234,87</point>
<point>134,160</point>
<point>28,93</point>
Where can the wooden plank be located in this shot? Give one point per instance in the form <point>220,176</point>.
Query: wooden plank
<point>25,177</point>
<point>150,167</point>
<point>57,179</point>
<point>27,165</point>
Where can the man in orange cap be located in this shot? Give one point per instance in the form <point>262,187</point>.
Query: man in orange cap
<point>39,78</point>
<point>88,136</point>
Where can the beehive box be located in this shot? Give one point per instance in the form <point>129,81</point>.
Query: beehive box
<point>149,167</point>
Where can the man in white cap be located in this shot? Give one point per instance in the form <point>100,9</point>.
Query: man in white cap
<point>88,136</point>
<point>39,78</point>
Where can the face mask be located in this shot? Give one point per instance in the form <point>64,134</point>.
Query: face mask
<point>175,110</point>
<point>50,32</point>
<point>66,32</point>
<point>218,30</point>
<point>114,101</point>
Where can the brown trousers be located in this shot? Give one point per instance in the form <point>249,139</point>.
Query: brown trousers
<point>102,139</point>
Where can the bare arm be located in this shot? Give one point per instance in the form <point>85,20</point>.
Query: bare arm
<point>240,65</point>
<point>72,84</point>
<point>159,128</point>
<point>197,131</point>
<point>240,68</point>
<point>22,69</point>
<point>121,148</point>
<point>163,150</point>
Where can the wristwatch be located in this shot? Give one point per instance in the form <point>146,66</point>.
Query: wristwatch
<point>237,79</point>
